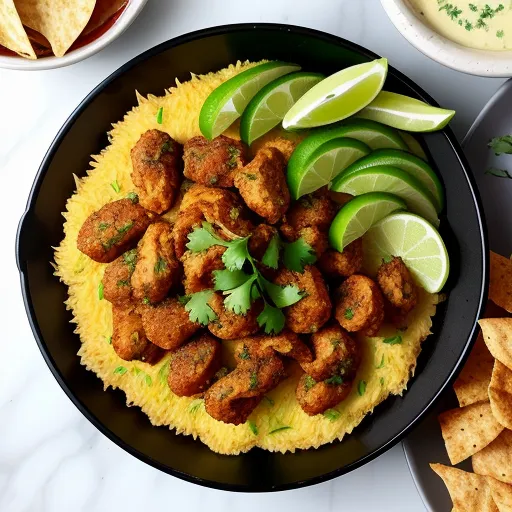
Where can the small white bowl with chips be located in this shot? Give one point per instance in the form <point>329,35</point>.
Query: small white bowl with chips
<point>42,34</point>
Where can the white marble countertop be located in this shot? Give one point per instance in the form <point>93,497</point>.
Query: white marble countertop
<point>51,458</point>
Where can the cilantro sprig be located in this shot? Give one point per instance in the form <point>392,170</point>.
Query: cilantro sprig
<point>241,282</point>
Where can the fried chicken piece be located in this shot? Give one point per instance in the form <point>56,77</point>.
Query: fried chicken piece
<point>213,163</point>
<point>112,230</point>
<point>198,268</point>
<point>229,325</point>
<point>342,264</point>
<point>167,324</point>
<point>262,185</point>
<point>232,398</point>
<point>194,365</point>
<point>360,305</point>
<point>117,287</point>
<point>336,354</point>
<point>157,270</point>
<point>316,397</point>
<point>315,209</point>
<point>156,174</point>
<point>397,284</point>
<point>128,339</point>
<point>286,146</point>
<point>311,312</point>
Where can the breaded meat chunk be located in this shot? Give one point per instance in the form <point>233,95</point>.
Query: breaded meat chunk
<point>213,162</point>
<point>232,398</point>
<point>397,284</point>
<point>167,324</point>
<point>194,365</point>
<point>157,270</point>
<point>117,287</point>
<point>315,209</point>
<point>112,230</point>
<point>360,305</point>
<point>229,325</point>
<point>198,268</point>
<point>336,354</point>
<point>128,339</point>
<point>286,146</point>
<point>156,174</point>
<point>333,263</point>
<point>316,397</point>
<point>262,185</point>
<point>311,312</point>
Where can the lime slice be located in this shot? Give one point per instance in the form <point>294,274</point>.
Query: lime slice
<point>338,96</point>
<point>385,178</point>
<point>409,163</point>
<point>414,145</point>
<point>413,239</point>
<point>325,164</point>
<point>374,135</point>
<point>226,103</point>
<point>359,215</point>
<point>406,113</point>
<point>268,108</point>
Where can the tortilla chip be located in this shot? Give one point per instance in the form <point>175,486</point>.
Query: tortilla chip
<point>498,338</point>
<point>60,21</point>
<point>467,430</point>
<point>501,494</point>
<point>474,379</point>
<point>500,285</point>
<point>500,394</point>
<point>12,33</point>
<point>496,459</point>
<point>469,492</point>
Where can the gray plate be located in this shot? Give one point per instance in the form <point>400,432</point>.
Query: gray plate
<point>425,444</point>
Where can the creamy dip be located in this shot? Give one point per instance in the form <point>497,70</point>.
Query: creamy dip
<point>483,25</point>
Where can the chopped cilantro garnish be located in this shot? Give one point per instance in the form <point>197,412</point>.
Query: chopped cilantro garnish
<point>120,370</point>
<point>381,365</point>
<point>146,301</point>
<point>103,225</point>
<point>130,259</point>
<point>195,405</point>
<point>499,173</point>
<point>349,314</point>
<point>100,291</point>
<point>123,282</point>
<point>253,380</point>
<point>269,400</point>
<point>473,7</point>
<point>109,340</point>
<point>309,382</point>
<point>393,340</point>
<point>361,387</point>
<point>336,380</point>
<point>500,34</point>
<point>163,372</point>
<point>234,213</point>
<point>252,426</point>
<point>250,176</point>
<point>160,265</point>
<point>244,354</point>
<point>233,153</point>
<point>382,381</point>
<point>279,429</point>
<point>331,414</point>
<point>148,380</point>
<point>115,186</point>
<point>501,145</point>
<point>160,115</point>
<point>133,197</point>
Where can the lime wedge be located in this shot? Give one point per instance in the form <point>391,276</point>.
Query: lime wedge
<point>385,178</point>
<point>268,108</point>
<point>325,164</point>
<point>226,103</point>
<point>414,146</point>
<point>359,215</point>
<point>338,96</point>
<point>406,113</point>
<point>409,163</point>
<point>413,239</point>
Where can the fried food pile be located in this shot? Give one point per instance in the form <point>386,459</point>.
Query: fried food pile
<point>152,271</point>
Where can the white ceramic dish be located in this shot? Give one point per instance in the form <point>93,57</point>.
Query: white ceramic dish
<point>131,11</point>
<point>442,50</point>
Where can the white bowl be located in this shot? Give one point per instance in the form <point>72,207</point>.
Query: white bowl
<point>442,50</point>
<point>131,11</point>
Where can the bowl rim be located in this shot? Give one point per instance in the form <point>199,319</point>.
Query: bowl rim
<point>472,61</point>
<point>131,11</point>
<point>171,43</point>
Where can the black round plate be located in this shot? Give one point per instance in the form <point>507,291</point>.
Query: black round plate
<point>84,134</point>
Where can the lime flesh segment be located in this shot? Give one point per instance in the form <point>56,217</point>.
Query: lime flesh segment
<point>406,113</point>
<point>325,164</point>
<point>414,145</point>
<point>413,239</point>
<point>268,108</point>
<point>374,135</point>
<point>338,96</point>
<point>227,102</point>
<point>385,178</point>
<point>359,215</point>
<point>411,164</point>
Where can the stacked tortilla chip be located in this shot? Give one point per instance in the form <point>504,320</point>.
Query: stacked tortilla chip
<point>481,428</point>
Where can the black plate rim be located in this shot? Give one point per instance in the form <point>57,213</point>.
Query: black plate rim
<point>166,45</point>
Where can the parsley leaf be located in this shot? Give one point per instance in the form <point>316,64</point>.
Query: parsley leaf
<point>236,254</point>
<point>203,238</point>
<point>499,173</point>
<point>282,296</point>
<point>239,299</point>
<point>298,254</point>
<point>332,414</point>
<point>361,387</point>
<point>501,145</point>
<point>198,308</point>
<point>271,256</point>
<point>394,340</point>
<point>272,319</point>
<point>229,279</point>
<point>252,426</point>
